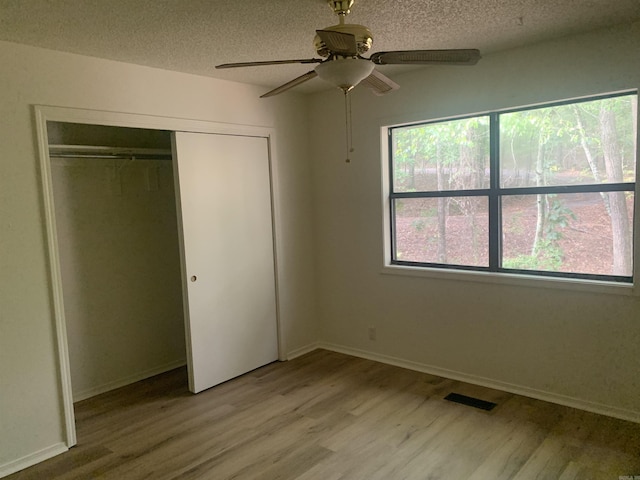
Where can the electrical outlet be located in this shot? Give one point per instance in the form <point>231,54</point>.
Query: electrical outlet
<point>372,334</point>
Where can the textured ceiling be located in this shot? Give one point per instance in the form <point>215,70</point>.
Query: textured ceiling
<point>194,35</point>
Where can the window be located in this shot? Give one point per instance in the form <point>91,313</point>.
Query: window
<point>539,191</point>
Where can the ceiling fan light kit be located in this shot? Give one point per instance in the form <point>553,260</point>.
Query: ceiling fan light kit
<point>345,73</point>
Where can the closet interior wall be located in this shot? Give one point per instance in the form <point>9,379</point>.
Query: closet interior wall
<point>119,257</point>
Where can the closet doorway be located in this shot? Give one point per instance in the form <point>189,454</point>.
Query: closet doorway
<point>117,232</point>
<point>162,249</point>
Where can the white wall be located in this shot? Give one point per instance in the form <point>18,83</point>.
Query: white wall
<point>568,346</point>
<point>118,242</point>
<point>31,423</point>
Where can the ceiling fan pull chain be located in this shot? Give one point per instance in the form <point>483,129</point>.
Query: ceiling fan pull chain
<point>348,124</point>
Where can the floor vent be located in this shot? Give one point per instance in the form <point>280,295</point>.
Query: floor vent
<point>470,401</point>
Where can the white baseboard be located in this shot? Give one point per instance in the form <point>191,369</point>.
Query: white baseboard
<point>298,352</point>
<point>593,407</point>
<point>31,459</point>
<point>93,391</point>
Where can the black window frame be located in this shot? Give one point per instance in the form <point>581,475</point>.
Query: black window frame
<point>495,193</point>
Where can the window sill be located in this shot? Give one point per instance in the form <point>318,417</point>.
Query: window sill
<point>588,286</point>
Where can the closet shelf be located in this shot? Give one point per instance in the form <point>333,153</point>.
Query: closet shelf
<point>91,151</point>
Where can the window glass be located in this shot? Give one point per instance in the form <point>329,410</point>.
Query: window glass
<point>445,230</point>
<point>580,143</point>
<point>576,234</point>
<point>450,155</point>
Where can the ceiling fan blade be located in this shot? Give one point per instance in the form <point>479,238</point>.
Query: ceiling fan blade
<point>339,42</point>
<point>427,57</point>
<point>269,62</point>
<point>291,84</point>
<point>379,83</point>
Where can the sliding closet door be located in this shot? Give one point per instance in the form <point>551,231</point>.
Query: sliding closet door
<point>224,204</point>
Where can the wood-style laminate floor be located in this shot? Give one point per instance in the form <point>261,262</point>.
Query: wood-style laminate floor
<point>328,416</point>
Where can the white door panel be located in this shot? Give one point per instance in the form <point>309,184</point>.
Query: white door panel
<point>224,193</point>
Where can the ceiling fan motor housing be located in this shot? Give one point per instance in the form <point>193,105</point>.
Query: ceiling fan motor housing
<point>364,38</point>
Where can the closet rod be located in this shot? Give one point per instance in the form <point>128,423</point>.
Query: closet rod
<point>90,151</point>
<point>114,157</point>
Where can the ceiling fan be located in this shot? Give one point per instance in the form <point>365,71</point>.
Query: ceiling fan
<point>343,65</point>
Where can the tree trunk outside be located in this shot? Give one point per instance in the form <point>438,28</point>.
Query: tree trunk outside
<point>442,212</point>
<point>412,175</point>
<point>540,199</point>
<point>620,229</point>
<point>593,165</point>
<point>634,117</point>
